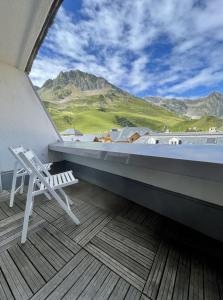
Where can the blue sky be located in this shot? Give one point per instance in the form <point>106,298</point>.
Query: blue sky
<point>167,48</point>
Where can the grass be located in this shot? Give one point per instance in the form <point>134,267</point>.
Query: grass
<point>100,113</point>
<point>93,120</point>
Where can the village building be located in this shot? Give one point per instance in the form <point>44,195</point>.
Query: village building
<point>186,138</point>
<point>71,131</point>
<point>128,134</point>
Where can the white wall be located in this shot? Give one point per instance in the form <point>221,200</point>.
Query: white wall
<point>23,121</point>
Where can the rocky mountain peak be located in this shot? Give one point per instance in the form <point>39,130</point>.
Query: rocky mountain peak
<point>78,79</point>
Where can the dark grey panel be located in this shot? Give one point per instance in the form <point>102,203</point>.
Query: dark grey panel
<point>6,180</point>
<point>204,217</point>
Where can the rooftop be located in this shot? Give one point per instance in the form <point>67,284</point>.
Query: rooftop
<point>120,251</point>
<point>71,131</point>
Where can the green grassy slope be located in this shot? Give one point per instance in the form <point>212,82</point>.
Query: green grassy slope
<point>89,114</point>
<point>109,107</point>
<point>202,124</point>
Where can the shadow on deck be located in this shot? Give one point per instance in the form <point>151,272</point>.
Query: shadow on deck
<point>120,251</point>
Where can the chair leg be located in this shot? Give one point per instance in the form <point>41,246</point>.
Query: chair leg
<point>28,209</point>
<point>14,180</point>
<point>21,190</point>
<point>48,196</point>
<point>66,197</point>
<point>31,207</point>
<point>64,206</point>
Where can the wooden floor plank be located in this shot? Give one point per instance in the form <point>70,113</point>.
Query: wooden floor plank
<point>18,286</point>
<point>120,257</point>
<point>196,288</point>
<point>89,218</point>
<point>120,290</point>
<point>25,267</point>
<point>41,212</point>
<point>133,235</point>
<point>166,289</point>
<point>2,214</point>
<point>133,294</point>
<point>12,237</point>
<point>5,291</point>
<point>129,243</point>
<point>95,284</point>
<point>9,220</point>
<point>50,254</point>
<point>51,212</point>
<point>55,244</point>
<point>183,278</point>
<point>127,251</point>
<point>60,277</point>
<point>136,214</point>
<point>38,260</point>
<point>92,230</point>
<point>107,287</point>
<point>136,229</point>
<point>65,224</point>
<point>153,282</point>
<point>117,267</point>
<point>54,206</point>
<point>72,278</point>
<point>69,243</point>
<point>143,297</point>
<point>210,282</point>
<point>9,211</point>
<point>83,281</point>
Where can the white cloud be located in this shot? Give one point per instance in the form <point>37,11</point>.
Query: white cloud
<point>118,40</point>
<point>205,77</point>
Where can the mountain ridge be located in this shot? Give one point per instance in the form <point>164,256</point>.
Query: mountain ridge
<point>92,104</point>
<point>84,81</point>
<point>211,105</point>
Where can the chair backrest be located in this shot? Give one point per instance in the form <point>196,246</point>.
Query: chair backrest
<point>15,152</point>
<point>34,166</point>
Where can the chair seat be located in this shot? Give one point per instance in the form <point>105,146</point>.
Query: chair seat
<point>59,180</point>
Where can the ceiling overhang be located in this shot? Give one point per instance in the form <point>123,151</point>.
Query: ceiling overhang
<point>23,27</point>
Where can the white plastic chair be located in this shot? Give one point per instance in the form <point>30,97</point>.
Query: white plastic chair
<point>20,172</point>
<point>41,181</point>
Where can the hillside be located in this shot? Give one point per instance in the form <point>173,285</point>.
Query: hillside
<point>91,104</point>
<point>211,105</point>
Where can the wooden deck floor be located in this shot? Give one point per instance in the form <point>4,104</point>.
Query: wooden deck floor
<point>120,251</point>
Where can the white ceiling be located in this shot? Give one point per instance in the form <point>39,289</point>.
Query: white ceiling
<point>20,24</point>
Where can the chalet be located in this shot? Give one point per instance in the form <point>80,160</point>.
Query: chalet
<point>131,134</point>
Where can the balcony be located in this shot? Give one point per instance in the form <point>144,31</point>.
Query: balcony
<point>120,251</point>
<point>151,215</point>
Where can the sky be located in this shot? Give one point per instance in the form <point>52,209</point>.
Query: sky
<point>167,48</point>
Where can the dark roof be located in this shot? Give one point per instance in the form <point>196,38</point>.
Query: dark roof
<point>71,131</point>
<point>127,132</point>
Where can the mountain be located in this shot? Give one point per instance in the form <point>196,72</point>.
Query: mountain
<point>89,103</point>
<point>81,80</point>
<point>211,105</point>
